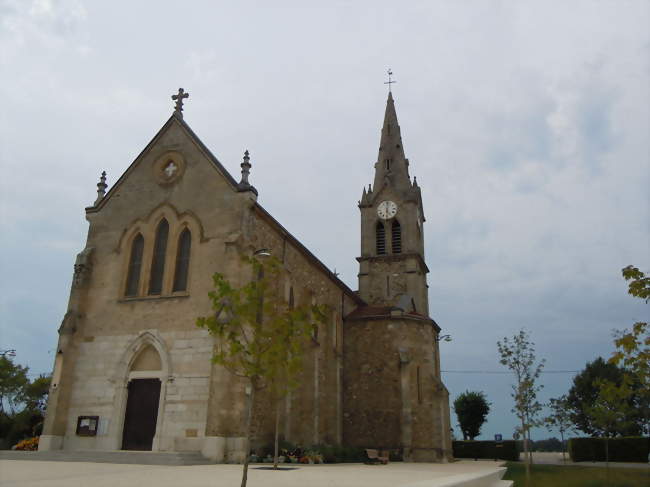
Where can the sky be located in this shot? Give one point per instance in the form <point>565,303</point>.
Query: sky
<point>526,123</point>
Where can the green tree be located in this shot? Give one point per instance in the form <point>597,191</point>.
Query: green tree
<point>639,286</point>
<point>25,402</point>
<point>471,409</point>
<point>259,337</point>
<point>584,392</point>
<point>611,411</point>
<point>518,354</point>
<point>633,347</point>
<point>13,380</point>
<point>559,419</point>
<point>35,394</point>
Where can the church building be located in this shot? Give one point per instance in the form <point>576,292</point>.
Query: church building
<point>134,372</point>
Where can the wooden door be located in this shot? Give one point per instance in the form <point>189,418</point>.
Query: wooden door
<point>141,414</point>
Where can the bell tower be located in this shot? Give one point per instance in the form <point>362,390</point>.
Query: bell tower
<point>392,271</point>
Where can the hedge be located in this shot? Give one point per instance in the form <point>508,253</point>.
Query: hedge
<point>506,450</point>
<point>631,449</point>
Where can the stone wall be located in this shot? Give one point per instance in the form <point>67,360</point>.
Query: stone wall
<point>312,413</point>
<point>99,384</point>
<point>392,393</point>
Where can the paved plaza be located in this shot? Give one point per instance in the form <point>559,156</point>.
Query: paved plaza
<point>17,473</point>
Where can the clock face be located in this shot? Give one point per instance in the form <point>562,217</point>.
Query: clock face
<point>386,210</point>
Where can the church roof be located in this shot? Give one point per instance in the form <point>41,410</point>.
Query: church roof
<point>307,253</point>
<point>364,313</point>
<point>235,186</point>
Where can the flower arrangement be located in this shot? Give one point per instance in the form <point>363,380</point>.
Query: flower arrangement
<point>29,444</point>
<point>293,453</point>
<point>311,456</point>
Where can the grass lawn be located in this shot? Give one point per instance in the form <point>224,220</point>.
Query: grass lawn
<point>560,476</point>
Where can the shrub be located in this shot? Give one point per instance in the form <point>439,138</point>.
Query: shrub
<point>630,449</point>
<point>317,453</point>
<point>340,454</point>
<point>505,450</point>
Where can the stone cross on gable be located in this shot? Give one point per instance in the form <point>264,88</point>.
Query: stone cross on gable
<point>178,109</point>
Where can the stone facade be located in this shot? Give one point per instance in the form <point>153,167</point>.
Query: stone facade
<point>124,325</point>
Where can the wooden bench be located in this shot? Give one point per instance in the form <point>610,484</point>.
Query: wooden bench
<point>375,456</point>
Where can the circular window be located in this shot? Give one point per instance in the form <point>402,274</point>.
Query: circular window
<point>169,168</point>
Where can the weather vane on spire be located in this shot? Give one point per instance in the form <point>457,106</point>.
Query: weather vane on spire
<point>178,109</point>
<point>390,80</point>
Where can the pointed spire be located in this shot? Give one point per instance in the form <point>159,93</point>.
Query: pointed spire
<point>245,168</point>
<point>101,188</point>
<point>364,197</point>
<point>392,165</point>
<point>244,185</point>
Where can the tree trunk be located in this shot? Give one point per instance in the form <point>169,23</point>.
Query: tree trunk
<point>249,418</point>
<point>607,461</point>
<point>277,434</point>
<point>530,452</point>
<point>563,447</point>
<point>526,457</point>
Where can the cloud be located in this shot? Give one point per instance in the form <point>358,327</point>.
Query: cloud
<point>40,25</point>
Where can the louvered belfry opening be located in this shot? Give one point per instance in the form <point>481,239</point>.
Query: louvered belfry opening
<point>182,261</point>
<point>396,237</point>
<point>381,238</point>
<point>158,262</point>
<point>135,264</point>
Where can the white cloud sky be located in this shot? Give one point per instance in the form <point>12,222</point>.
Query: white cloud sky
<point>526,124</point>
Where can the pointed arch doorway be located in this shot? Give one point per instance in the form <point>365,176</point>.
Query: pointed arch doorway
<point>143,400</point>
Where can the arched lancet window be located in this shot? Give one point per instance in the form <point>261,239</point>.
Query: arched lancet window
<point>396,239</point>
<point>380,233</point>
<point>182,261</point>
<point>135,264</point>
<point>158,262</point>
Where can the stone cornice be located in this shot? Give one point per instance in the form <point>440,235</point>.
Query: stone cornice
<point>395,258</point>
<point>393,317</point>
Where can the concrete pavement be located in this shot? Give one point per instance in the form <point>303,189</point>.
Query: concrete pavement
<point>16,473</point>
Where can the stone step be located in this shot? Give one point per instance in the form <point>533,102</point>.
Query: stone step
<point>128,457</point>
<point>489,478</point>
